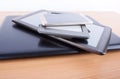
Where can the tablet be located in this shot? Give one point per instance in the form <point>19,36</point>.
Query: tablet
<point>98,41</point>
<point>34,22</point>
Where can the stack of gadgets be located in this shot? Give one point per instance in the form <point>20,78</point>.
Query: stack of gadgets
<point>74,29</point>
<point>45,32</point>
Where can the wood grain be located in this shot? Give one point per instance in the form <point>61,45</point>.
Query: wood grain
<point>79,66</point>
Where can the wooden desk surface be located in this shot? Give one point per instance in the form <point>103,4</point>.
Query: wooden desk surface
<point>80,66</point>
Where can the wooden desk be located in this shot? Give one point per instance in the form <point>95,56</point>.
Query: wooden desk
<point>80,66</point>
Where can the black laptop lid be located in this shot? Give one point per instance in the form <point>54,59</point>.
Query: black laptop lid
<point>17,42</point>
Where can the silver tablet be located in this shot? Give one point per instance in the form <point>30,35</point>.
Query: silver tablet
<point>33,21</point>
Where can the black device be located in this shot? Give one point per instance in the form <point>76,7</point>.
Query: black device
<point>114,43</point>
<point>98,41</point>
<point>18,42</point>
<point>33,21</point>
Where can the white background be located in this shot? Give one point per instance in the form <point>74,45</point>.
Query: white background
<point>61,5</point>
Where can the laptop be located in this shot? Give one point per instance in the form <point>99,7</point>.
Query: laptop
<point>19,42</point>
